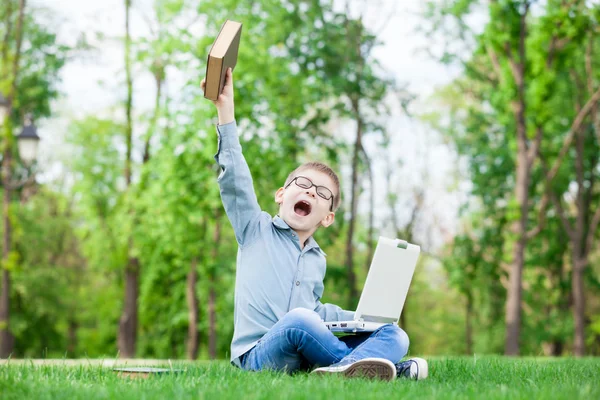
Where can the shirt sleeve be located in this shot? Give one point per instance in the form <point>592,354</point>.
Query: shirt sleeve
<point>235,183</point>
<point>331,312</point>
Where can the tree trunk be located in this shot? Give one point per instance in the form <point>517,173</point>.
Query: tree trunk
<point>370,238</point>
<point>557,348</point>
<point>212,315</point>
<point>128,322</point>
<point>193,311</point>
<point>582,233</point>
<point>578,307</point>
<point>519,227</point>
<point>352,222</point>
<point>212,294</point>
<point>72,337</point>
<point>578,245</point>
<point>6,337</point>
<point>353,205</point>
<point>354,37</point>
<point>554,347</point>
<point>558,344</point>
<point>469,325</point>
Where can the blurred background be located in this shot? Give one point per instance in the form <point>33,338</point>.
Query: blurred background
<point>471,128</point>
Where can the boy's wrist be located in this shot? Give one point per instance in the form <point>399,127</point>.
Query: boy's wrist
<point>225,116</point>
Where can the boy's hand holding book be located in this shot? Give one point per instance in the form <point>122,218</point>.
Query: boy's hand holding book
<point>224,103</point>
<point>222,58</point>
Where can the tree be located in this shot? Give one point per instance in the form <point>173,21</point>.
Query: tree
<point>30,60</point>
<point>95,165</point>
<point>512,74</point>
<point>363,90</point>
<point>6,338</point>
<point>128,321</point>
<point>163,212</point>
<point>582,228</point>
<point>45,320</point>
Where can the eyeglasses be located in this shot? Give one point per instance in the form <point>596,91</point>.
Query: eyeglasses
<point>305,183</point>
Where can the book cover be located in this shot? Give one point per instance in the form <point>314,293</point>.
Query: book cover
<point>144,372</point>
<point>222,55</point>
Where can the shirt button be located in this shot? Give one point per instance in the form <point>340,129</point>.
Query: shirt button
<point>297,283</point>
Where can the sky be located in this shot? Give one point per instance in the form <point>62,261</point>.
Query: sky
<point>90,85</point>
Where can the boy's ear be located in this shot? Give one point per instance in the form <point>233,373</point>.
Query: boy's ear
<point>279,196</point>
<point>328,220</point>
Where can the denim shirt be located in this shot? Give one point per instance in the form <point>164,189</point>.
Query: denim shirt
<point>273,273</point>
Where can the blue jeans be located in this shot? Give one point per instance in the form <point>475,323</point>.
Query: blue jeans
<point>300,341</point>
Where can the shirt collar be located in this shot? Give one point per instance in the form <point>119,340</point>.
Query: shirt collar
<point>310,243</point>
<point>280,223</point>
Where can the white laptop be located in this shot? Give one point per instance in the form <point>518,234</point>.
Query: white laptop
<point>385,289</point>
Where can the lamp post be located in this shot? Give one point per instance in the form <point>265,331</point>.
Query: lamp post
<point>27,142</point>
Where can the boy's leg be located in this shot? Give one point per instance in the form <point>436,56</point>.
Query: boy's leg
<point>299,338</point>
<point>373,356</point>
<point>389,342</point>
<point>355,339</point>
<point>394,342</point>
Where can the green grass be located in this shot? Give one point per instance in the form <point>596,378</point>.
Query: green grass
<point>460,378</point>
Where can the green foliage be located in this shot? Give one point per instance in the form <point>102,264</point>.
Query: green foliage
<point>41,60</point>
<point>301,65</point>
<point>97,166</point>
<point>54,289</point>
<point>290,80</point>
<point>480,123</point>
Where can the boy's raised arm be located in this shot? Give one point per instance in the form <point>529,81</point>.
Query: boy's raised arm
<point>235,180</point>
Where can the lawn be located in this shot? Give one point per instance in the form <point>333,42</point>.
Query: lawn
<point>450,378</point>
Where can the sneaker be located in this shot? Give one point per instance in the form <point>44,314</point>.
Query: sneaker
<point>414,368</point>
<point>371,368</point>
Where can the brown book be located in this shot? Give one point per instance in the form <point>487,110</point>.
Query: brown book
<point>142,372</point>
<point>223,54</point>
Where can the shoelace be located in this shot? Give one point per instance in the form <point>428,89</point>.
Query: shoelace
<point>403,368</point>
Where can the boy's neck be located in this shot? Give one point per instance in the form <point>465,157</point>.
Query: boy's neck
<point>303,237</point>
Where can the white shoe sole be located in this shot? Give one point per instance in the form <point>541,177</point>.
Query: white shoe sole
<point>370,368</point>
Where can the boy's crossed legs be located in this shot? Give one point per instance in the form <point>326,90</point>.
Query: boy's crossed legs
<point>300,340</point>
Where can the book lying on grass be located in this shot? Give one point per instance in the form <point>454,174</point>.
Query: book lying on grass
<point>223,54</point>
<point>144,372</point>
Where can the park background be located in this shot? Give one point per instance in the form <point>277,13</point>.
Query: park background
<point>471,128</point>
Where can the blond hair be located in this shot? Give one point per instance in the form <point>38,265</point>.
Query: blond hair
<point>323,168</point>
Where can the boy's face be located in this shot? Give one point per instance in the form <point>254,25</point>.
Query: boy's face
<point>304,209</point>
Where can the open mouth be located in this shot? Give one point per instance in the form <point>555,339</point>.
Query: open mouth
<point>302,208</point>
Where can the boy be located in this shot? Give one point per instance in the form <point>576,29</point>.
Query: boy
<point>280,270</point>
